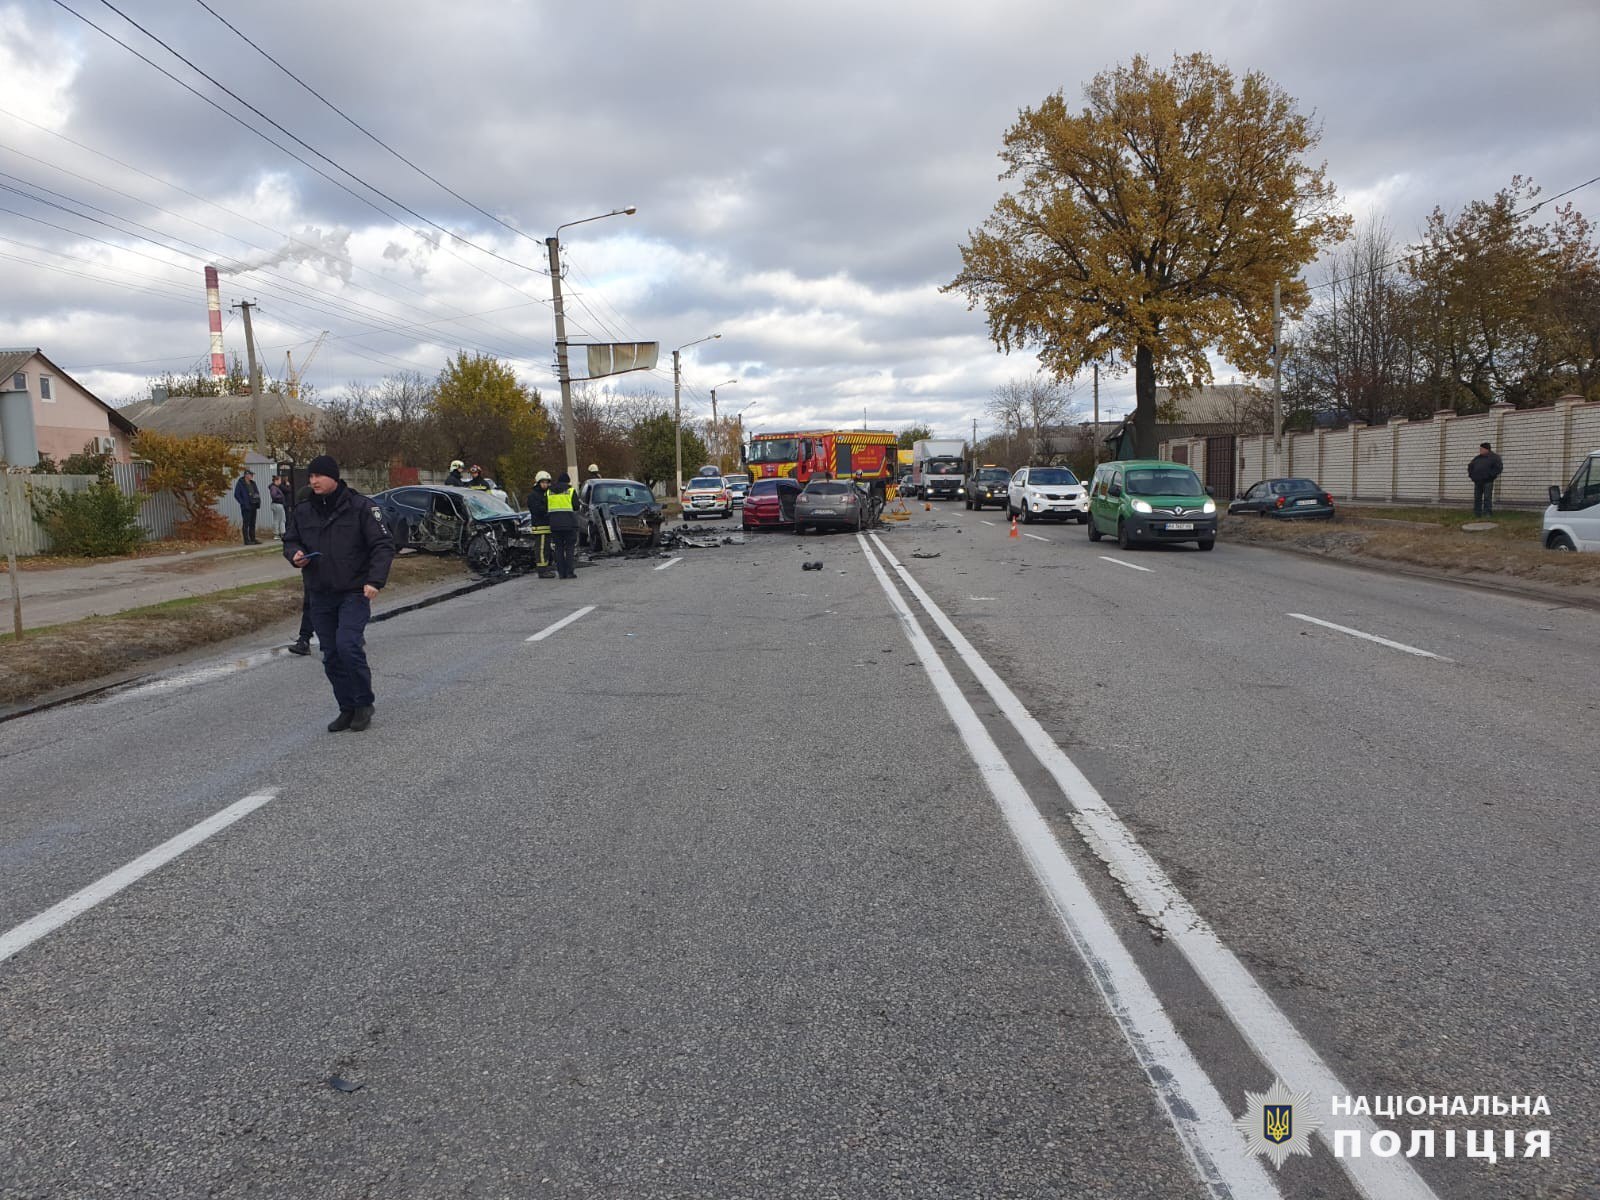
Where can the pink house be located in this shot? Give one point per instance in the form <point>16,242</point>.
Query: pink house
<point>66,416</point>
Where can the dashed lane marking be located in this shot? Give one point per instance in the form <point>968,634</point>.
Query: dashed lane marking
<point>562,624</point>
<point>80,902</point>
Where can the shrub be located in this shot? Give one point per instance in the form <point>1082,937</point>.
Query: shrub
<point>99,522</point>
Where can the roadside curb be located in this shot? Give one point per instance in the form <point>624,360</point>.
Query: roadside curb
<point>12,713</point>
<point>1383,567</point>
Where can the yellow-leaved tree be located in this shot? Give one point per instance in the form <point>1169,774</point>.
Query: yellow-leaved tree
<point>485,416</point>
<point>1148,228</point>
<point>197,470</point>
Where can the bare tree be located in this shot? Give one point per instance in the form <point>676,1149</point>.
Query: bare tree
<point>1033,406</point>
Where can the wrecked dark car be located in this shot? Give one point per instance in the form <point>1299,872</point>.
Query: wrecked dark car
<point>615,515</point>
<point>437,519</point>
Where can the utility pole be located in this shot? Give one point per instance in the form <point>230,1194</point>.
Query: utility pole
<point>1277,382</point>
<point>1094,436</point>
<point>974,437</point>
<point>677,423</point>
<point>11,553</point>
<point>244,306</point>
<point>569,434</point>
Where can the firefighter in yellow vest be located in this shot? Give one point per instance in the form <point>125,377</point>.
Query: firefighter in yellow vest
<point>563,526</point>
<point>539,511</point>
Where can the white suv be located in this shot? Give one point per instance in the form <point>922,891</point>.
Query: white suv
<point>1037,493</point>
<point>1572,522</point>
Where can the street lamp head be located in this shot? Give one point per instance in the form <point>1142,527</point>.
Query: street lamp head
<point>630,210</point>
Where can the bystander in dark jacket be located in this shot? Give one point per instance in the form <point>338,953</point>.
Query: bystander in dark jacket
<point>339,538</point>
<point>1483,470</point>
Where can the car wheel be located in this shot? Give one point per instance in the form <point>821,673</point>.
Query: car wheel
<point>1207,543</point>
<point>402,537</point>
<point>1123,539</point>
<point>1094,530</point>
<point>1561,542</point>
<point>969,505</point>
<point>799,528</point>
<point>1027,516</point>
<point>483,554</point>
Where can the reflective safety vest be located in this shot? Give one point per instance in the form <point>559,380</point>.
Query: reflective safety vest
<point>560,501</point>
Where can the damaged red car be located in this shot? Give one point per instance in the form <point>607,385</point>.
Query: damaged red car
<point>769,504</point>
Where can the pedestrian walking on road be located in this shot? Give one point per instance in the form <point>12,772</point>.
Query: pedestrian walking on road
<point>1483,470</point>
<point>278,495</point>
<point>339,540</point>
<point>563,526</point>
<point>539,512</point>
<point>248,496</point>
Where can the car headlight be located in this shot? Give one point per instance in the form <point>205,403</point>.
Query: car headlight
<point>1211,506</point>
<point>1142,506</point>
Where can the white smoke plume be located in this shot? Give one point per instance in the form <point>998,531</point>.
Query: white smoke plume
<point>328,250</point>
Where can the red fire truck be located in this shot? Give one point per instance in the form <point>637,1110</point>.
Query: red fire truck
<point>866,454</point>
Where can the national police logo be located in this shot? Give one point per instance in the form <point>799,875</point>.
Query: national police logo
<point>1278,1122</point>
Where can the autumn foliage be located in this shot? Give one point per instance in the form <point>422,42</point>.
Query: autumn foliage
<point>1148,227</point>
<point>198,470</point>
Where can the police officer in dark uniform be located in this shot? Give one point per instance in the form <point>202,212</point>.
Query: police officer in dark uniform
<point>339,539</point>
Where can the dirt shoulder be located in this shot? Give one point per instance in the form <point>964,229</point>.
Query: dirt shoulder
<point>1434,544</point>
<point>47,660</point>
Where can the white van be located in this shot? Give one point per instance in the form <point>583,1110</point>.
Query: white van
<point>1572,522</point>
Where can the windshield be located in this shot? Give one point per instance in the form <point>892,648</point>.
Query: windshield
<point>827,488</point>
<point>942,466</point>
<point>994,475</point>
<point>775,451</point>
<point>1051,475</point>
<point>482,504</point>
<point>1294,487</point>
<point>619,493</point>
<point>1163,481</point>
<point>764,487</point>
<point>737,480</point>
<point>701,483</point>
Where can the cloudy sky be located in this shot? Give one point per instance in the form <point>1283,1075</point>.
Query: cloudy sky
<point>803,173</point>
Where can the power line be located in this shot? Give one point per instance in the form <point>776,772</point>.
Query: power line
<point>299,141</point>
<point>357,125</point>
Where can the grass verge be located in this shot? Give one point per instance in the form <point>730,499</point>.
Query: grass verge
<point>57,656</point>
<point>1429,540</point>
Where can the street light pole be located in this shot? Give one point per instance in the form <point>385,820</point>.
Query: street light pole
<point>677,407</point>
<point>553,244</point>
<point>716,431</point>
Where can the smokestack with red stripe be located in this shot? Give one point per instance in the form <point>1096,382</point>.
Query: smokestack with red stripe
<point>219,361</point>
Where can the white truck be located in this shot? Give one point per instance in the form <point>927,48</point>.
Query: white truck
<point>939,469</point>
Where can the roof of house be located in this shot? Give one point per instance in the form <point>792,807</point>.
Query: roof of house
<point>185,416</point>
<point>13,360</point>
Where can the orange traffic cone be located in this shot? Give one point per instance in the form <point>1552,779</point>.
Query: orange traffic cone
<point>1013,527</point>
<point>927,504</point>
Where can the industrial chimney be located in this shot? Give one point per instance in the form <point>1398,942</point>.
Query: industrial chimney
<point>219,361</point>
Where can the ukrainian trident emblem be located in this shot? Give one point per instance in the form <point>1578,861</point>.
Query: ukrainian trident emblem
<point>1271,1127</point>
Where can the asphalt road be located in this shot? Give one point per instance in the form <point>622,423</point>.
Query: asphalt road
<point>708,892</point>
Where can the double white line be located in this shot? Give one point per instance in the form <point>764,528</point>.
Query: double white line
<point>1198,1113</point>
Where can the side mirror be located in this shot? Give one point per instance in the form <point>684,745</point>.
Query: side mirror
<point>1555,495</point>
<point>1212,492</point>
<point>1114,490</point>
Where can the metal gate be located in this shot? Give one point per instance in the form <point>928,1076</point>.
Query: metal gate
<point>1221,468</point>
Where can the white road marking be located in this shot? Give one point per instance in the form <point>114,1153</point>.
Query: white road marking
<point>1129,565</point>
<point>1198,1113</point>
<point>991,524</point>
<point>1262,1023</point>
<point>1371,637</point>
<point>1036,537</point>
<point>561,624</point>
<point>82,901</point>
<point>669,562</point>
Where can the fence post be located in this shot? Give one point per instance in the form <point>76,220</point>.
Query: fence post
<point>1322,442</point>
<point>1441,419</point>
<point>1568,404</point>
<point>11,553</point>
<point>1394,459</point>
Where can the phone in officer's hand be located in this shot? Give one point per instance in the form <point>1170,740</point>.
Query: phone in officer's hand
<point>307,555</point>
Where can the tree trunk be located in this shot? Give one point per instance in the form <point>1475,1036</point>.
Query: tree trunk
<point>1144,414</point>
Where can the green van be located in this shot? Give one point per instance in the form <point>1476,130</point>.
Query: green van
<point>1150,500</point>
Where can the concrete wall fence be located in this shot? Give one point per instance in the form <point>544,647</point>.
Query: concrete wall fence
<point>1422,462</point>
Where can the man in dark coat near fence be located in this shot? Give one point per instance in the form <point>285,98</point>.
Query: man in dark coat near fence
<point>1483,470</point>
<point>339,538</point>
<point>247,494</point>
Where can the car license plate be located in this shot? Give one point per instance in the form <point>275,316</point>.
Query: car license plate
<point>822,512</point>
<point>1300,502</point>
<point>1177,525</point>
